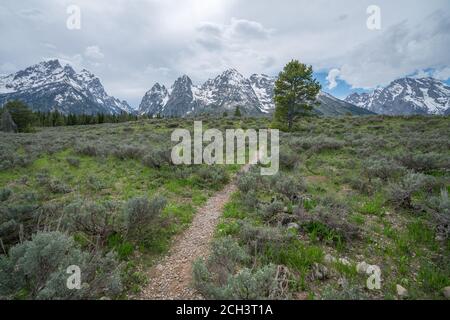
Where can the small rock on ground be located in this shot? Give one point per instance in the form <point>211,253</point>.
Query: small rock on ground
<point>446,292</point>
<point>401,291</point>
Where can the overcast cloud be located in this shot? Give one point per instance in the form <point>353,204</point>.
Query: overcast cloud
<point>134,43</point>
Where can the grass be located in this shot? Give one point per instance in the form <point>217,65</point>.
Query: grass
<point>401,241</point>
<point>58,173</point>
<point>47,168</point>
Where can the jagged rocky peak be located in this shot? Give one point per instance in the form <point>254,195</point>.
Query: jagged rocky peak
<point>182,83</point>
<point>158,88</point>
<point>46,66</point>
<point>232,76</point>
<point>86,75</point>
<point>406,96</point>
<point>226,92</point>
<point>154,100</point>
<point>50,64</point>
<point>48,86</point>
<point>262,79</point>
<point>263,86</point>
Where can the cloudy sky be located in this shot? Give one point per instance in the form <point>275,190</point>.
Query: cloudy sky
<point>131,44</point>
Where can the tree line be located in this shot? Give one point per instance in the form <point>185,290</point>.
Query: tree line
<point>16,116</point>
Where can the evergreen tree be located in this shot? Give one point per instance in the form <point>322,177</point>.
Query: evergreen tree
<point>22,116</point>
<point>237,112</point>
<point>295,92</point>
<point>7,123</point>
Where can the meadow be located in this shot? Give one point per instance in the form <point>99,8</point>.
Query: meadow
<point>350,190</point>
<point>352,193</point>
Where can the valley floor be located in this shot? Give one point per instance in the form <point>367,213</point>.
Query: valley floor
<point>350,190</point>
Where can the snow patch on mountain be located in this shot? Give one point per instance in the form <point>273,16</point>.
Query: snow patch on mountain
<point>406,96</point>
<point>226,92</point>
<point>48,86</point>
<point>222,93</point>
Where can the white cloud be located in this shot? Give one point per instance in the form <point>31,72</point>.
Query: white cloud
<point>202,38</point>
<point>75,60</point>
<point>238,43</point>
<point>400,50</point>
<point>7,68</point>
<point>247,30</point>
<point>421,74</point>
<point>332,77</point>
<point>93,52</point>
<point>442,74</point>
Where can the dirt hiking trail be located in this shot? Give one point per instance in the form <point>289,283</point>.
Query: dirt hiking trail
<point>171,278</point>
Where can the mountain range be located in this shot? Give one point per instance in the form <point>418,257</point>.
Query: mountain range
<point>226,92</point>
<point>48,86</point>
<point>406,96</point>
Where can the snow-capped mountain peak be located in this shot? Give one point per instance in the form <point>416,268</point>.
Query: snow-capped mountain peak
<point>406,96</point>
<point>48,86</point>
<point>154,100</point>
<point>263,86</point>
<point>226,92</point>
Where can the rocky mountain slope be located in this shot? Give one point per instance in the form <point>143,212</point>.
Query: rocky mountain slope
<point>332,106</point>
<point>406,96</point>
<point>253,95</point>
<point>48,86</point>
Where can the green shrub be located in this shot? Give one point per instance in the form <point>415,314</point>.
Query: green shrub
<point>88,150</point>
<point>57,186</point>
<point>270,210</point>
<point>212,176</point>
<point>440,209</point>
<point>258,237</point>
<point>128,152</point>
<point>221,277</point>
<point>140,213</point>
<point>289,185</point>
<point>400,194</point>
<point>248,181</point>
<point>362,184</point>
<point>95,183</point>
<point>37,268</point>
<point>5,193</point>
<point>43,178</point>
<point>157,158</point>
<point>256,284</point>
<point>95,220</point>
<point>226,254</point>
<point>347,292</point>
<point>317,143</point>
<point>424,162</point>
<point>225,258</point>
<point>17,222</point>
<point>328,223</point>
<point>288,158</point>
<point>250,200</point>
<point>74,162</point>
<point>382,168</point>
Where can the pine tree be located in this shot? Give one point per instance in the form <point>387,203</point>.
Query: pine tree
<point>295,92</point>
<point>21,115</point>
<point>7,123</point>
<point>237,112</point>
